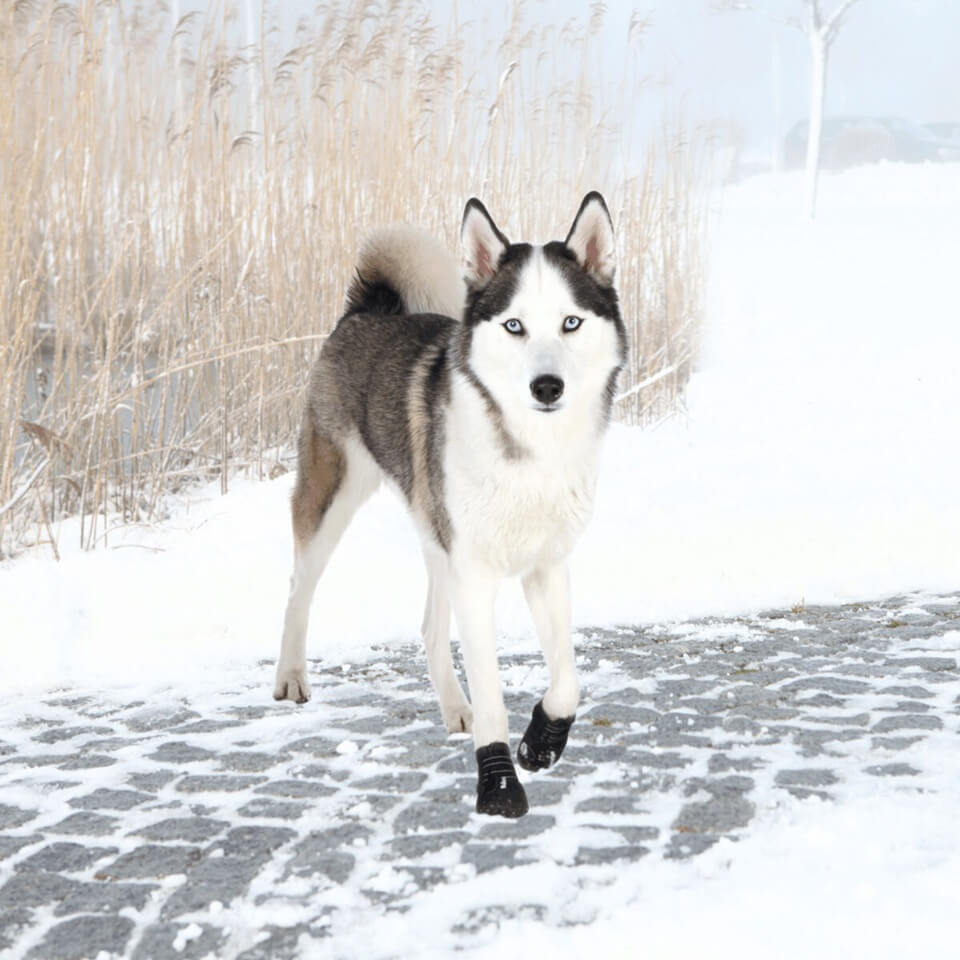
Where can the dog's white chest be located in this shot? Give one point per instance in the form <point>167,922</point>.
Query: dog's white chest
<point>514,517</point>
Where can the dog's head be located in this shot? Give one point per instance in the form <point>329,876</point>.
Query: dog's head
<point>543,323</point>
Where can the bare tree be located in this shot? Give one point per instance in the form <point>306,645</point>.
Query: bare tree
<point>821,29</point>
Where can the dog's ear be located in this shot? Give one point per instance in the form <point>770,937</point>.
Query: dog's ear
<point>591,239</point>
<point>483,244</point>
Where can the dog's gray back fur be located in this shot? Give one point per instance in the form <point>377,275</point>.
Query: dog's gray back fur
<point>384,372</point>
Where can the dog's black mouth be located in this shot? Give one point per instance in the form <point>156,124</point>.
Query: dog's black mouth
<point>548,408</point>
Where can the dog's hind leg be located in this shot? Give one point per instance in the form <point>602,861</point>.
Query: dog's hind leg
<point>547,590</point>
<point>333,479</point>
<point>454,705</point>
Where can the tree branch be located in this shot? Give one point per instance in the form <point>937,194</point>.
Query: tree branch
<point>833,24</point>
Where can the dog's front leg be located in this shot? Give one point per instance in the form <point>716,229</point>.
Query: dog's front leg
<point>547,590</point>
<point>499,792</point>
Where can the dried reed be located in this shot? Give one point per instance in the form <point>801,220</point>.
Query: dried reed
<point>182,211</point>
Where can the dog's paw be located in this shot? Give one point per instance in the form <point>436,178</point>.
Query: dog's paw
<point>292,684</point>
<point>544,740</point>
<point>499,792</point>
<point>458,717</point>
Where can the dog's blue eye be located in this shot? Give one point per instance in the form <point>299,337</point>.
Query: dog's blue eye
<point>513,326</point>
<point>571,323</point>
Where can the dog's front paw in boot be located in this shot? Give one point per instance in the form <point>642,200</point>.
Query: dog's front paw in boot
<point>499,792</point>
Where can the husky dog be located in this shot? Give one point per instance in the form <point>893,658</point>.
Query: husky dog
<point>485,404</point>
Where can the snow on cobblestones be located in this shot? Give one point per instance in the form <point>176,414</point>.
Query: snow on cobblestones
<point>723,760</point>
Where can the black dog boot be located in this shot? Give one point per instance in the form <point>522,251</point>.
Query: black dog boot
<point>544,740</point>
<point>499,792</point>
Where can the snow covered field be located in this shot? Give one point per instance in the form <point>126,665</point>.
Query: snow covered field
<point>817,463</point>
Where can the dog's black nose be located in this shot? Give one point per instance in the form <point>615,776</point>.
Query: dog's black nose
<point>547,388</point>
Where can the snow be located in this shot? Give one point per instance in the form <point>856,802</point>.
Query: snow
<point>817,462</point>
<point>875,877</point>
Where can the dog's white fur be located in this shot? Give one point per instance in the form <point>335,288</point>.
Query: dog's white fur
<point>521,517</point>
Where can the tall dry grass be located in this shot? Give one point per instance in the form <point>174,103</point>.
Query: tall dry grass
<point>181,212</point>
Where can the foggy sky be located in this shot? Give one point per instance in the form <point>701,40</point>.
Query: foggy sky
<point>892,58</point>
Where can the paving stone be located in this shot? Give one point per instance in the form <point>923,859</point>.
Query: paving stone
<point>173,941</point>
<point>610,803</point>
<point>151,782</point>
<point>83,937</point>
<point>336,865</point>
<point>492,856</point>
<point>281,943</point>
<point>721,814</point>
<point>158,718</point>
<point>107,799</point>
<point>455,763</point>
<point>12,924</point>
<point>592,856</point>
<point>894,743</point>
<point>913,692</point>
<point>543,792</point>
<point>277,809</point>
<point>104,897</point>
<point>930,664</point>
<point>151,860</point>
<point>492,917</point>
<point>528,826</point>
<point>893,770</point>
<point>248,761</point>
<point>193,829</point>
<point>820,700</point>
<point>836,685</point>
<point>43,759</point>
<point>315,746</point>
<point>12,817</point>
<point>205,726</point>
<point>635,835</point>
<point>64,857</point>
<point>912,721</point>
<point>11,845</point>
<point>297,788</point>
<point>806,777</point>
<point>178,751</point>
<point>432,816</point>
<point>684,845</point>
<point>33,890</point>
<point>109,743</point>
<point>88,761</point>
<point>420,844</point>
<point>850,720</point>
<point>254,841</point>
<point>214,783</point>
<point>59,734</point>
<point>221,878</point>
<point>721,763</point>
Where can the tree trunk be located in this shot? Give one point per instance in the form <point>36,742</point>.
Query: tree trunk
<point>776,151</point>
<point>818,84</point>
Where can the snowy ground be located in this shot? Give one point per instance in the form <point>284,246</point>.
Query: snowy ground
<point>817,465</point>
<point>788,771</point>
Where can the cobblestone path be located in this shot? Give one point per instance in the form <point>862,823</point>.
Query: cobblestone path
<point>235,827</point>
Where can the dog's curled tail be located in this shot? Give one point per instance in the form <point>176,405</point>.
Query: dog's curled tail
<point>405,270</point>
